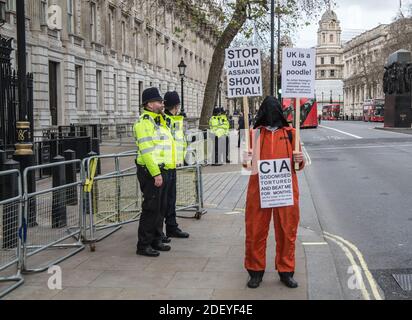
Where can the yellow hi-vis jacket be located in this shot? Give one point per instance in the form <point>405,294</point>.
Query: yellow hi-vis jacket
<point>175,124</point>
<point>155,144</point>
<point>225,124</point>
<point>218,127</point>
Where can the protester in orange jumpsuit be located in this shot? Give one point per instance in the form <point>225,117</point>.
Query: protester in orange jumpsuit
<point>272,139</point>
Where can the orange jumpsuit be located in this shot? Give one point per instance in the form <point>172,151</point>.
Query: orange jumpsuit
<point>271,145</point>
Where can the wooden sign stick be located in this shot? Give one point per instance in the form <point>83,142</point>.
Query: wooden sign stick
<point>246,117</point>
<point>297,128</point>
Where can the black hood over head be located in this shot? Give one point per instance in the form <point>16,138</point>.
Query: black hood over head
<point>270,114</point>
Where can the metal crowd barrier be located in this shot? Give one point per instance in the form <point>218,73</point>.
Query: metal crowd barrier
<point>197,148</point>
<point>57,223</point>
<point>111,200</point>
<point>10,240</point>
<point>189,192</point>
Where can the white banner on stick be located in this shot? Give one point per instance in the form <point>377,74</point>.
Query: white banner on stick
<point>243,68</point>
<point>298,73</point>
<point>275,183</point>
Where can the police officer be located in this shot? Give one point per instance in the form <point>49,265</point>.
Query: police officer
<point>155,148</point>
<point>225,125</point>
<point>217,132</point>
<point>175,124</point>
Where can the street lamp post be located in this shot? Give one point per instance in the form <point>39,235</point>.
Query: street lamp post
<point>279,86</point>
<point>220,93</point>
<point>331,99</point>
<point>182,71</point>
<point>272,48</point>
<point>24,126</point>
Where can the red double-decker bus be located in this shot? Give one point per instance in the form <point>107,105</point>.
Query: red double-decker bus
<point>331,112</point>
<point>373,110</point>
<point>308,112</point>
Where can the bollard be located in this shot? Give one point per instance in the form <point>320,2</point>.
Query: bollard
<point>71,177</point>
<point>59,212</point>
<point>10,211</point>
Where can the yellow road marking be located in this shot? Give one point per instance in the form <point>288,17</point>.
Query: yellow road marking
<point>363,263</point>
<point>349,255</point>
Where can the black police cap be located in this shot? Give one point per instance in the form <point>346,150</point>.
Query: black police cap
<point>171,99</point>
<point>151,94</point>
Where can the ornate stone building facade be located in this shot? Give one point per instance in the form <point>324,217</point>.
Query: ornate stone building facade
<point>95,68</point>
<point>329,65</point>
<point>364,60</point>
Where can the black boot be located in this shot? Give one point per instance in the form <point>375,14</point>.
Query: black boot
<point>255,278</point>
<point>287,279</point>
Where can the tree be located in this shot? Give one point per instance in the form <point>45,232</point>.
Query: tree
<point>295,12</point>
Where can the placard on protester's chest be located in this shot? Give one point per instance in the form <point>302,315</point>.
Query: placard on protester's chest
<point>275,183</point>
<point>298,73</point>
<point>243,68</point>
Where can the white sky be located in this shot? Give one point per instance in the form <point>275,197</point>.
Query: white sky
<point>354,14</point>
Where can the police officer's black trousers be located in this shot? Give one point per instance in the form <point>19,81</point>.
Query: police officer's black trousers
<point>221,145</point>
<point>170,219</point>
<point>153,208</point>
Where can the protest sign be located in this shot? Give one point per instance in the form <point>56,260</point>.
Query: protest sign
<point>243,68</point>
<point>275,183</point>
<point>298,73</point>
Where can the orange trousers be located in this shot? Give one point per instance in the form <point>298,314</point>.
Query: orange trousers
<point>286,219</point>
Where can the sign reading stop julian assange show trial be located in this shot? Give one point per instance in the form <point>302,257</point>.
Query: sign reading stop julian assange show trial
<point>243,66</point>
<point>275,183</point>
<point>298,73</point>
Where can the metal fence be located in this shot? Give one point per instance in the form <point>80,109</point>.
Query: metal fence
<point>10,242</point>
<point>57,220</point>
<point>189,192</point>
<point>197,147</point>
<point>111,200</point>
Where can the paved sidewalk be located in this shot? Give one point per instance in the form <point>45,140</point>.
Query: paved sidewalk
<point>208,265</point>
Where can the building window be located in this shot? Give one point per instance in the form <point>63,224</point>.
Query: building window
<point>135,43</point>
<point>11,5</point>
<point>99,89</point>
<point>43,12</point>
<point>322,73</point>
<point>124,37</point>
<point>332,60</point>
<point>115,91</point>
<point>332,73</point>
<point>331,38</point>
<point>79,87</point>
<point>93,21</point>
<point>140,92</point>
<point>128,98</point>
<point>111,28</point>
<point>70,16</point>
<point>323,38</point>
<point>322,60</point>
